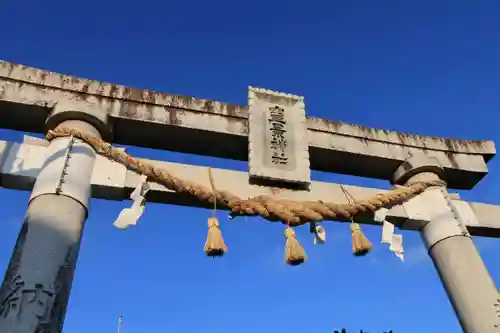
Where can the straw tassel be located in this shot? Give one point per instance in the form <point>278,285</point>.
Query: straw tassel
<point>294,252</point>
<point>360,244</point>
<point>214,245</point>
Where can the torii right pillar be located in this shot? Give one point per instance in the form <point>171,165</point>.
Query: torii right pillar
<point>469,286</point>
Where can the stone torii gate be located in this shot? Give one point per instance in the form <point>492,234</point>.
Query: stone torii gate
<point>273,133</point>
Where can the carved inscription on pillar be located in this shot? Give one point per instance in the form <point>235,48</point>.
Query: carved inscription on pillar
<point>278,147</point>
<point>20,295</point>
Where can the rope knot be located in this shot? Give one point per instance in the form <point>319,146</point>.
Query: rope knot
<point>355,227</point>
<point>213,222</point>
<point>290,233</point>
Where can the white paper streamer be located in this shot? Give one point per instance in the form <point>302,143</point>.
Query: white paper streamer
<point>397,246</point>
<point>319,234</point>
<point>130,216</point>
<point>395,241</point>
<point>387,232</point>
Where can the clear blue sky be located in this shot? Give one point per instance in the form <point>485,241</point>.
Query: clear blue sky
<point>426,67</point>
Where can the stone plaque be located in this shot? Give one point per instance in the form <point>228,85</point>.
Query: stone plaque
<point>278,147</point>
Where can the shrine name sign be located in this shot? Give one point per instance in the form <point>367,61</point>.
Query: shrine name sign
<point>278,146</point>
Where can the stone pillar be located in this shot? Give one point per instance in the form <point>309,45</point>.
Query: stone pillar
<point>36,288</point>
<point>469,286</point>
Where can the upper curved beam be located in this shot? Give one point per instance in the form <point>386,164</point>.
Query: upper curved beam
<point>187,124</point>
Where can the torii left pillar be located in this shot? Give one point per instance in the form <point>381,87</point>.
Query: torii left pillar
<point>36,288</point>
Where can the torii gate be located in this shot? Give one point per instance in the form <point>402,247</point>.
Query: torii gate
<point>281,144</point>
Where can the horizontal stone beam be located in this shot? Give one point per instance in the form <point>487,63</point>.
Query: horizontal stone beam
<point>192,125</point>
<point>21,163</point>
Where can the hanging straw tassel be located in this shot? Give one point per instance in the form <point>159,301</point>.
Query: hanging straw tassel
<point>294,252</point>
<point>214,245</point>
<point>360,244</point>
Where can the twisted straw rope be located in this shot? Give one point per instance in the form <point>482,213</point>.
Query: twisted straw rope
<point>293,213</point>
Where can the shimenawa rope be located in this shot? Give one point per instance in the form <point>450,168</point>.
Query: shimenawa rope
<point>293,213</point>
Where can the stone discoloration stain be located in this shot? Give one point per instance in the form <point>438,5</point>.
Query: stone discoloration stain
<point>150,112</point>
<point>43,77</point>
<point>10,67</point>
<point>173,116</point>
<point>113,91</point>
<point>37,305</point>
<point>232,110</point>
<point>66,80</point>
<point>127,109</point>
<point>100,88</point>
<point>132,94</point>
<point>75,81</point>
<point>209,106</point>
<point>454,145</point>
<point>85,87</point>
<point>246,127</point>
<point>64,278</point>
<point>451,158</point>
<point>13,268</point>
<point>184,102</point>
<point>128,98</point>
<point>148,97</point>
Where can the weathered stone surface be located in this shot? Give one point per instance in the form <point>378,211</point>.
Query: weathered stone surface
<point>415,165</point>
<point>277,145</point>
<point>36,288</point>
<point>192,125</point>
